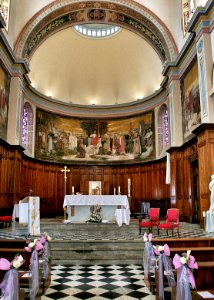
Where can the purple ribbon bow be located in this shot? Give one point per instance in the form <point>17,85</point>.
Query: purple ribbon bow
<point>184,277</point>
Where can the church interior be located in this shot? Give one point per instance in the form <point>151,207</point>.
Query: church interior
<point>107,149</point>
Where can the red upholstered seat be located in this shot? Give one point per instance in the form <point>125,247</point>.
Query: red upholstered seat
<point>6,219</point>
<point>152,220</point>
<point>172,221</point>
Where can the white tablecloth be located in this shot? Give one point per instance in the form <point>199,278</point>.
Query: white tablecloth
<point>15,212</point>
<point>122,216</point>
<point>209,222</point>
<point>96,199</point>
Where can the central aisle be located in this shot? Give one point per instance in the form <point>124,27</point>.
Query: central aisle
<point>100,282</point>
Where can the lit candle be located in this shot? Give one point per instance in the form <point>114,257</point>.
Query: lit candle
<point>72,189</point>
<point>129,187</point>
<point>118,190</point>
<point>204,214</point>
<point>114,191</point>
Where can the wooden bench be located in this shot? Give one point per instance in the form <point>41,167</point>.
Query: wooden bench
<point>185,242</point>
<point>196,296</point>
<point>204,276</point>
<point>10,253</point>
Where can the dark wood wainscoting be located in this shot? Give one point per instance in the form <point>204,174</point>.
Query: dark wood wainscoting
<point>20,173</point>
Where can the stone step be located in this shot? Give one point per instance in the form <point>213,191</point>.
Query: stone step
<point>96,245</point>
<point>96,261</point>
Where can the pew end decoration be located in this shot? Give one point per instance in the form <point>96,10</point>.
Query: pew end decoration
<point>148,255</point>
<point>164,267</point>
<point>185,265</point>
<point>10,283</point>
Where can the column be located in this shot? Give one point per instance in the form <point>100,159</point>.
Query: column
<point>205,69</point>
<point>15,110</point>
<point>175,113</point>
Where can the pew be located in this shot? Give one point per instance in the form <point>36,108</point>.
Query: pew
<point>9,249</point>
<point>203,251</point>
<point>185,242</point>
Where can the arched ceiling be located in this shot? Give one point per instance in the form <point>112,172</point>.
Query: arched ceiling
<point>74,69</point>
<point>80,70</point>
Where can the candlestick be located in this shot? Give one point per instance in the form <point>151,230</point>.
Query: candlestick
<point>114,191</point>
<point>118,190</point>
<point>72,190</point>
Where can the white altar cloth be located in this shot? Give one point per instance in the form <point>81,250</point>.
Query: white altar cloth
<point>108,203</point>
<point>209,221</point>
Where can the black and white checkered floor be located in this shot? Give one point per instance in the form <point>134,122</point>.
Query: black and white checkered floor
<point>98,282</point>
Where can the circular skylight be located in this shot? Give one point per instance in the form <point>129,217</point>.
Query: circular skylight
<point>97,30</point>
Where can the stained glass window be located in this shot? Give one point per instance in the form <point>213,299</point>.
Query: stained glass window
<point>27,127</point>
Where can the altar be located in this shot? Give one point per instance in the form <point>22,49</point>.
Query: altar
<point>114,207</point>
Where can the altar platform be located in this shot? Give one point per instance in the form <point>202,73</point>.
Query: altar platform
<point>97,243</point>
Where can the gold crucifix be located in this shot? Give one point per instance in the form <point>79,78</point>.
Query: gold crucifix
<point>65,170</point>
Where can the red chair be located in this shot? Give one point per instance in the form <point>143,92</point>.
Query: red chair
<point>172,221</point>
<point>152,220</point>
<point>6,220</point>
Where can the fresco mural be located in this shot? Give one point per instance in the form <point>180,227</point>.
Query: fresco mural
<point>60,138</point>
<point>4,102</point>
<point>190,98</point>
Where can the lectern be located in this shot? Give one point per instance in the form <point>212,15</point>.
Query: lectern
<point>29,212</point>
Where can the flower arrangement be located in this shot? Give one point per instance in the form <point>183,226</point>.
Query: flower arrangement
<point>158,249</point>
<point>14,264</point>
<point>45,238</point>
<point>147,237</point>
<point>189,263</point>
<point>95,214</point>
<point>35,245</point>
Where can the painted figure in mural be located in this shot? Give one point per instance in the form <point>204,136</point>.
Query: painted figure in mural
<point>3,107</point>
<point>94,138</point>
<point>211,188</point>
<point>137,146</point>
<point>105,141</point>
<point>72,142</point>
<point>149,137</point>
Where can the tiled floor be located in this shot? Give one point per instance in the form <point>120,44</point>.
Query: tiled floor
<point>115,233</point>
<point>98,282</point>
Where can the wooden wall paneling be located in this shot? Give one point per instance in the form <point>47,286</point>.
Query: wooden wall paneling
<point>4,176</point>
<point>114,180</point>
<point>121,180</point>
<point>48,186</point>
<point>37,180</point>
<point>149,180</point>
<point>84,182</point>
<point>206,166</point>
<point>107,188</point>
<point>136,189</point>
<point>143,184</point>
<point>186,196</point>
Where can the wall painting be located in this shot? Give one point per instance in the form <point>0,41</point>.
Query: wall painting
<point>4,102</point>
<point>191,110</point>
<point>60,138</point>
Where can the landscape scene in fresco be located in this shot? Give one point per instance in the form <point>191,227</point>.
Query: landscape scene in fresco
<point>4,100</point>
<point>191,110</point>
<point>61,138</point>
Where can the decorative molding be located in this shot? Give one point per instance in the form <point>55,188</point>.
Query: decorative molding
<point>62,14</point>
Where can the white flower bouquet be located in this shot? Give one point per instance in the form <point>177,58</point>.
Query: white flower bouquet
<point>95,216</point>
